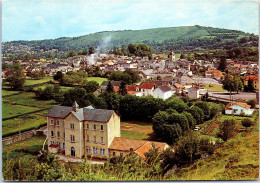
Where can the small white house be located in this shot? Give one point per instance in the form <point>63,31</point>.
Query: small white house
<point>194,92</point>
<point>147,89</point>
<point>163,92</point>
<point>238,108</point>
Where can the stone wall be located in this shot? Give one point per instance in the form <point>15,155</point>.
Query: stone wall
<point>18,137</point>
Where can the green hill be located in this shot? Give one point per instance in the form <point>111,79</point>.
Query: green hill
<point>160,39</point>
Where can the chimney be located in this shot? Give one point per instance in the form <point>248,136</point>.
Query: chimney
<point>75,106</point>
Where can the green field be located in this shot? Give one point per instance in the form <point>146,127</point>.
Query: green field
<point>6,92</point>
<point>134,135</point>
<point>29,82</point>
<point>214,87</point>
<point>9,110</point>
<point>97,79</point>
<point>33,144</point>
<point>23,122</point>
<point>29,99</point>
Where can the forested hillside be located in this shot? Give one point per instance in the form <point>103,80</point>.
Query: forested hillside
<point>184,38</point>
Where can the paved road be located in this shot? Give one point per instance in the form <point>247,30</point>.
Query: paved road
<point>241,95</point>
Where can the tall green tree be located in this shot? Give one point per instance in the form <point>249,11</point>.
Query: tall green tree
<point>122,88</point>
<point>17,79</point>
<point>91,86</point>
<point>110,88</point>
<point>222,64</point>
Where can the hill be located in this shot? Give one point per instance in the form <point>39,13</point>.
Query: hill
<point>160,39</point>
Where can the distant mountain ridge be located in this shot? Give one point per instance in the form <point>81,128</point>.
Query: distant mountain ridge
<point>160,39</point>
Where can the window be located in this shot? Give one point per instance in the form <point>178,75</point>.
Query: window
<point>94,127</point>
<point>52,122</point>
<point>72,138</point>
<point>88,150</point>
<point>64,146</point>
<point>102,140</point>
<point>95,139</point>
<point>52,142</point>
<point>52,133</point>
<point>58,134</point>
<point>64,134</point>
<point>101,128</point>
<point>102,152</point>
<point>71,126</point>
<point>58,144</point>
<point>95,150</point>
<point>87,125</point>
<point>58,123</point>
<point>87,138</point>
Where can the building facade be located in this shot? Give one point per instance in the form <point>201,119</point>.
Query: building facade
<point>79,132</point>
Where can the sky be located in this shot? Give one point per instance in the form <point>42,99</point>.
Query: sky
<point>49,19</point>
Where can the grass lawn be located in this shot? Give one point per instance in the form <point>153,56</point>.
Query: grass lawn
<point>9,110</point>
<point>236,118</point>
<point>97,79</point>
<point>64,88</point>
<point>6,92</point>
<point>29,99</point>
<point>29,82</point>
<point>136,130</point>
<point>27,122</point>
<point>33,144</point>
<point>215,87</point>
<point>134,135</point>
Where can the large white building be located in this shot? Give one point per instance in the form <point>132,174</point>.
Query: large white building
<point>163,92</point>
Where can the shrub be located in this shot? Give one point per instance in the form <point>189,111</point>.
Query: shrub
<point>226,129</point>
<point>246,122</point>
<point>252,103</point>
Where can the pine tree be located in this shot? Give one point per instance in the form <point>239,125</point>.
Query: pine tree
<point>110,88</point>
<point>122,89</point>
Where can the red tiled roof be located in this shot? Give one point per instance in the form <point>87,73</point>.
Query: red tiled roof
<point>237,103</point>
<point>246,78</point>
<point>131,87</point>
<point>147,85</point>
<point>143,149</point>
<point>179,86</point>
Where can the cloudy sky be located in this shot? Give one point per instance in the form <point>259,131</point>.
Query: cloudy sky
<point>45,19</point>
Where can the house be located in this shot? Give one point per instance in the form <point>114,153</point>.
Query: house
<point>254,80</point>
<point>214,74</point>
<point>78,132</point>
<point>147,88</point>
<point>194,92</point>
<point>82,131</point>
<point>238,108</point>
<point>163,92</point>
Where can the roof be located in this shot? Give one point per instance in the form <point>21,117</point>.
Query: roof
<point>114,83</point>
<point>86,113</point>
<point>179,86</point>
<point>251,77</point>
<point>59,111</point>
<point>147,86</point>
<point>139,146</point>
<point>143,149</point>
<point>237,103</point>
<point>164,88</point>
<point>132,87</point>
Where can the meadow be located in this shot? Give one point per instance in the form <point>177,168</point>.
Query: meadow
<point>214,87</point>
<point>29,82</point>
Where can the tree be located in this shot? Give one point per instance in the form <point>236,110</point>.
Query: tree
<point>197,114</point>
<point>250,86</point>
<point>75,94</point>
<point>190,118</point>
<point>72,53</point>
<point>177,104</point>
<point>17,79</point>
<point>227,129</point>
<point>222,64</point>
<point>110,88</point>
<point>58,76</point>
<point>232,83</point>
<point>252,102</point>
<point>179,119</point>
<point>122,89</point>
<point>205,108</point>
<point>91,50</point>
<point>91,86</point>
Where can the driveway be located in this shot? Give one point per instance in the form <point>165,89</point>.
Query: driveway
<point>241,95</point>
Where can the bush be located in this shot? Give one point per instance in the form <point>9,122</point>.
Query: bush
<point>246,122</point>
<point>252,103</point>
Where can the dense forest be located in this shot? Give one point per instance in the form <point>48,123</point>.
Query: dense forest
<point>184,38</point>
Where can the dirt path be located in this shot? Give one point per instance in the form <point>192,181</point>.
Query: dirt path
<point>139,127</point>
